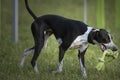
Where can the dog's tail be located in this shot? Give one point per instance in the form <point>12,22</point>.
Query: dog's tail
<point>29,10</point>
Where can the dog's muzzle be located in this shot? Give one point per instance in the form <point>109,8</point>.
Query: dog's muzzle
<point>108,46</point>
<point>114,49</point>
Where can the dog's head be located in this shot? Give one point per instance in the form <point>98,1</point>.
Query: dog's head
<point>103,39</point>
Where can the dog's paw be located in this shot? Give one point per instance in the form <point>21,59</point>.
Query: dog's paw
<point>22,62</point>
<point>56,71</point>
<point>85,76</point>
<point>36,69</point>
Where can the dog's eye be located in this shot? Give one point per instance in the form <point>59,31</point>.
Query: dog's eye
<point>104,40</point>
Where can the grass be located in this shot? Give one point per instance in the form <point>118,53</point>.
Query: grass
<point>10,53</point>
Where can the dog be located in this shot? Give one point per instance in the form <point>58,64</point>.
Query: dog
<point>70,34</point>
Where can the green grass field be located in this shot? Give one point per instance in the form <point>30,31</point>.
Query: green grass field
<point>10,53</point>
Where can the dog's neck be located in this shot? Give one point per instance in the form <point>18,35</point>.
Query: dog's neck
<point>91,36</point>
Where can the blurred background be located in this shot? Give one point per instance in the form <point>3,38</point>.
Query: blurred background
<point>99,14</point>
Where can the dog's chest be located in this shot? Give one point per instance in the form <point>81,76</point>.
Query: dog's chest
<point>81,41</point>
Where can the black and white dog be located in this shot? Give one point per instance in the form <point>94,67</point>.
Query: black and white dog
<point>70,34</point>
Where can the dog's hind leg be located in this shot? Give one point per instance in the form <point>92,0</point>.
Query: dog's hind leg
<point>38,34</point>
<point>61,56</point>
<point>25,54</point>
<point>38,48</point>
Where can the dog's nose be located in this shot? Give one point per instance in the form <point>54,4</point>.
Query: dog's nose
<point>115,49</point>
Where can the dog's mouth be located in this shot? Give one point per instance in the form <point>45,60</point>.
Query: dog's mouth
<point>103,47</point>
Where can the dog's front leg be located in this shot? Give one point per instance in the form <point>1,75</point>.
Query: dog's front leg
<point>81,60</point>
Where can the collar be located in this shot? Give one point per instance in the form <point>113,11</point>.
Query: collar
<point>91,35</point>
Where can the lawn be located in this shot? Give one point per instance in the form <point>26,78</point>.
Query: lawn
<point>10,52</point>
